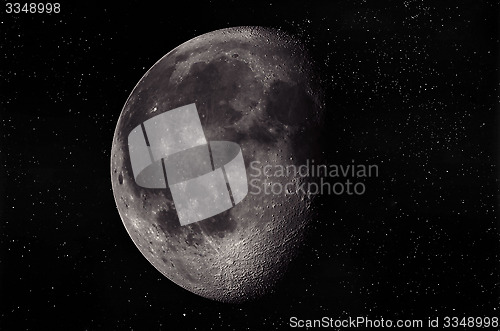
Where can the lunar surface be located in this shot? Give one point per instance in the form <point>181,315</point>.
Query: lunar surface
<point>253,86</point>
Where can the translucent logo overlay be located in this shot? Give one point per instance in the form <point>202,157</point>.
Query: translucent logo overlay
<point>205,178</point>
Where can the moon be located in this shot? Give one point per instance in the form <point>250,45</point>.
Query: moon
<point>254,86</point>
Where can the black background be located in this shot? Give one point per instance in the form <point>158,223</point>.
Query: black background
<point>412,86</point>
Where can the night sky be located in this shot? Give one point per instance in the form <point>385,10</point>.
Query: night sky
<point>412,86</point>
